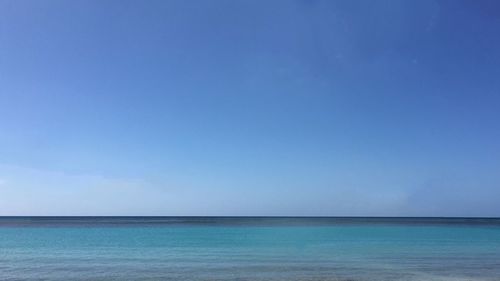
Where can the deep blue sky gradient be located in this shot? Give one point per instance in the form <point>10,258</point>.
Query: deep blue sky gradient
<point>250,108</point>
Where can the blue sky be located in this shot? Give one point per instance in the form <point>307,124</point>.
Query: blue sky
<point>250,108</point>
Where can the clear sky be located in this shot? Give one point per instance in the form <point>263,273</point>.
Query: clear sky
<point>250,108</point>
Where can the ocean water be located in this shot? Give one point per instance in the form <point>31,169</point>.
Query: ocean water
<point>211,248</point>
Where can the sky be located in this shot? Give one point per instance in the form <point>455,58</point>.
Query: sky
<point>241,108</point>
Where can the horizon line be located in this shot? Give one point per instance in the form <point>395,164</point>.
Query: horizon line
<point>243,216</point>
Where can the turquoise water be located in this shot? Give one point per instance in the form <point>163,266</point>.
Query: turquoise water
<point>248,249</point>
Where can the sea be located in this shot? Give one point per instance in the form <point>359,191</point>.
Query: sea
<point>249,248</point>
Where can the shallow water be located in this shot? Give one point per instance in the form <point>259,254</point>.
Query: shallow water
<point>162,248</point>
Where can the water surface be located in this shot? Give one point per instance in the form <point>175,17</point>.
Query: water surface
<point>249,248</point>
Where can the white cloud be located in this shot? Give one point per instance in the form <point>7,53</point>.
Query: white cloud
<point>44,192</point>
